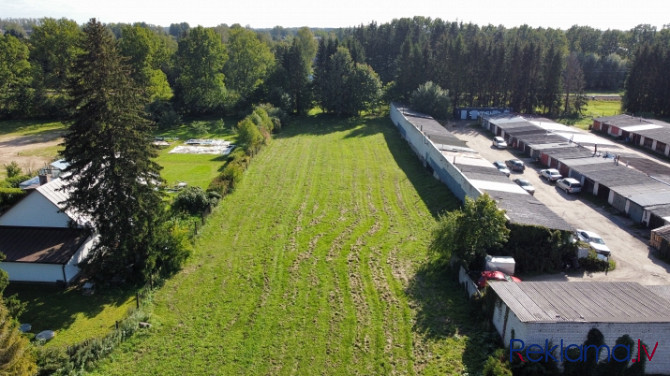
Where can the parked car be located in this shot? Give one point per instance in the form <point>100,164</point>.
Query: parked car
<point>594,241</point>
<point>551,174</point>
<point>494,275</point>
<point>569,185</point>
<point>499,142</point>
<point>501,167</point>
<point>525,184</point>
<point>515,165</point>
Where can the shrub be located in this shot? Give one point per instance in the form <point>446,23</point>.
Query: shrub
<point>13,169</point>
<point>497,364</point>
<point>195,200</point>
<point>431,99</point>
<point>592,263</point>
<point>538,249</point>
<point>10,196</point>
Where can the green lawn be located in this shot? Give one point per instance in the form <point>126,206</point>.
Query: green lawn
<point>29,127</point>
<point>73,316</point>
<point>194,169</point>
<point>593,109</point>
<point>316,264</point>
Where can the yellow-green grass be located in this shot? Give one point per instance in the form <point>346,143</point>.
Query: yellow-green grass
<point>194,169</point>
<point>73,316</point>
<point>595,108</point>
<point>29,127</point>
<point>45,152</point>
<point>316,264</point>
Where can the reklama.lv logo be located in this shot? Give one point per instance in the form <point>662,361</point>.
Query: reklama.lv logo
<point>537,353</point>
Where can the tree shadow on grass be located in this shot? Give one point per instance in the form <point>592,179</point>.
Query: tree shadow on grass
<point>436,196</point>
<point>443,310</point>
<point>54,308</point>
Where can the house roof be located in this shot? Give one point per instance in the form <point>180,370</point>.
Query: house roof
<point>611,302</point>
<point>40,244</point>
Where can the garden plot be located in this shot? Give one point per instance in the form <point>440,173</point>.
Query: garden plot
<point>204,146</point>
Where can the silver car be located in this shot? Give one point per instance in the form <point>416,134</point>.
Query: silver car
<point>569,185</point>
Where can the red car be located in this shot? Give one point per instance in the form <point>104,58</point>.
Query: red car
<point>496,275</point>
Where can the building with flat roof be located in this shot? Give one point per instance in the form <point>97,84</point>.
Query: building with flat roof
<point>651,134</point>
<point>565,312</point>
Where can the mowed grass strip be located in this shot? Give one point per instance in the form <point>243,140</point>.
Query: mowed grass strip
<point>315,265</point>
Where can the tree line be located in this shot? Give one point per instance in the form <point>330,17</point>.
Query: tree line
<point>197,71</point>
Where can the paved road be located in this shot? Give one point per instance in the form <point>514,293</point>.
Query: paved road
<point>628,243</point>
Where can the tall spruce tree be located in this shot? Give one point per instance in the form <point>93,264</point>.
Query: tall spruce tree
<point>112,178</point>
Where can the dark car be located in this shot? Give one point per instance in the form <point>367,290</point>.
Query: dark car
<point>526,185</point>
<point>515,165</point>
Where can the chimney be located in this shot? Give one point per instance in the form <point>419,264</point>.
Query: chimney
<point>44,178</point>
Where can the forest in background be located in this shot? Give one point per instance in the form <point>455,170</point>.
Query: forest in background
<point>224,70</point>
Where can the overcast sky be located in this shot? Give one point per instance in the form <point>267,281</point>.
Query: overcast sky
<point>600,14</point>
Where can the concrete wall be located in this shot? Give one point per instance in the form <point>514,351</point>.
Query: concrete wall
<point>431,156</point>
<point>467,283</point>
<point>575,333</point>
<point>35,211</point>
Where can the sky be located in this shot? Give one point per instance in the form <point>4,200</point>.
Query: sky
<point>561,14</point>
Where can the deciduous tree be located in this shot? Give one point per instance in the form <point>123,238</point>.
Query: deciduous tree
<point>249,62</point>
<point>200,59</point>
<point>470,232</point>
<point>15,77</point>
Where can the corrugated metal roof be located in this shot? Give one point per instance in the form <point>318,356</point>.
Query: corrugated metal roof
<point>619,302</point>
<point>527,210</point>
<point>41,245</point>
<point>54,191</point>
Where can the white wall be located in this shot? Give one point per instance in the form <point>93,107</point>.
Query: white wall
<point>71,268</point>
<point>50,273</point>
<point>428,153</point>
<point>34,211</point>
<point>575,333</point>
<point>33,272</point>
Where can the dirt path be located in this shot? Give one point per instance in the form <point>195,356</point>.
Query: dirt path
<point>29,151</point>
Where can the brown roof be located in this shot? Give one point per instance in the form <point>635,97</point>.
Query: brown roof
<point>39,244</point>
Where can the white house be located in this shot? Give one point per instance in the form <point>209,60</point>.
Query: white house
<point>538,313</point>
<point>41,241</point>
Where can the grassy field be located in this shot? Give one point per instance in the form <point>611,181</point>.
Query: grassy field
<point>316,264</point>
<point>594,109</point>
<point>73,316</point>
<point>194,169</point>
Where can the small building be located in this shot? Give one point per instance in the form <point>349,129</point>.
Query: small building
<point>649,133</point>
<point>565,312</point>
<point>39,254</point>
<point>42,240</point>
<point>660,239</point>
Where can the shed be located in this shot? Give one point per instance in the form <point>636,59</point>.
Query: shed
<point>565,312</point>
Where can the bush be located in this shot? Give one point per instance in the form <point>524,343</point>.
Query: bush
<point>10,196</point>
<point>497,364</point>
<point>538,249</point>
<point>592,263</point>
<point>195,200</point>
<point>13,169</point>
<point>431,99</point>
